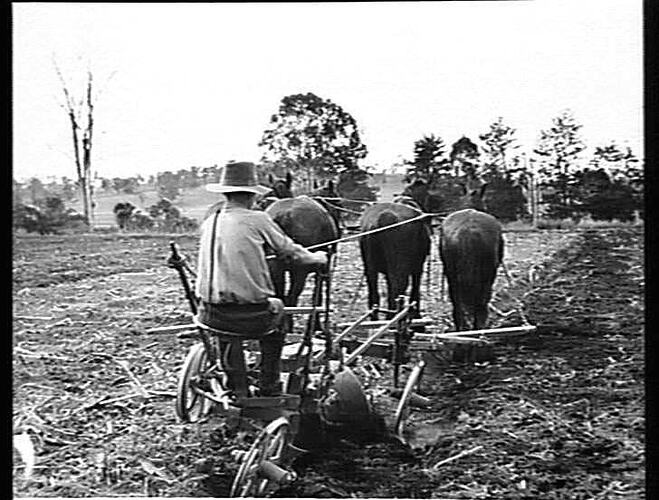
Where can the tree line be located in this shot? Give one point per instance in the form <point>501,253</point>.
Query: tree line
<point>316,139</point>
<point>609,186</point>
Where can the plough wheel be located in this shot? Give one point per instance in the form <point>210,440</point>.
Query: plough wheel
<point>190,405</point>
<point>260,470</point>
<point>403,408</point>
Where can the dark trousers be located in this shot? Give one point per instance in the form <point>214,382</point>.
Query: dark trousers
<point>249,321</point>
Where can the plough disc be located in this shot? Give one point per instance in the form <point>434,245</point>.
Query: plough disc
<point>346,402</point>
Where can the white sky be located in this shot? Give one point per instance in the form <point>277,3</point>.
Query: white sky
<point>196,84</point>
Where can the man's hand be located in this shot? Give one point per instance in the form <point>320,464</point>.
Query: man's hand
<point>321,259</point>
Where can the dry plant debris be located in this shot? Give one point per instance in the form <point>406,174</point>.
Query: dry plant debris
<point>555,415</point>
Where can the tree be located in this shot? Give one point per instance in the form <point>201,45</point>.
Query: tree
<point>319,137</point>
<point>36,189</point>
<point>80,111</point>
<point>128,185</point>
<point>210,174</point>
<point>68,189</point>
<point>635,178</point>
<point>499,140</point>
<point>168,185</point>
<point>16,192</point>
<point>625,188</point>
<point>464,157</point>
<point>609,158</point>
<point>559,148</point>
<point>429,159</point>
<point>106,184</point>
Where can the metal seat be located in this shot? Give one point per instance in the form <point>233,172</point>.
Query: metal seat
<point>228,333</point>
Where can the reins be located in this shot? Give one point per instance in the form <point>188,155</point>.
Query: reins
<point>365,233</point>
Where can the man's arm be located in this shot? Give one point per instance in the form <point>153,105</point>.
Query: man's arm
<point>284,246</point>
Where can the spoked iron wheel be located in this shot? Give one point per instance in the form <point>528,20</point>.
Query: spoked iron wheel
<point>403,408</point>
<point>190,405</point>
<point>260,470</point>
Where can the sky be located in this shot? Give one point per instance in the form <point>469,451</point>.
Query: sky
<point>196,84</point>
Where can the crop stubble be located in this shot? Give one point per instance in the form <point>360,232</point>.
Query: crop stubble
<point>558,415</point>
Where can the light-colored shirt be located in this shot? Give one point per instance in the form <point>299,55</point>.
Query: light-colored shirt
<point>240,274</point>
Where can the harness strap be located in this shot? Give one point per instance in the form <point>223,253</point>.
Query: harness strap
<point>212,256</point>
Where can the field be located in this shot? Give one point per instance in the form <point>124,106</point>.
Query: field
<point>558,414</point>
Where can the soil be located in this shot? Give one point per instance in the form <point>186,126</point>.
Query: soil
<point>556,414</point>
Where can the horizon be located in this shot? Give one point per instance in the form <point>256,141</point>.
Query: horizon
<point>198,86</point>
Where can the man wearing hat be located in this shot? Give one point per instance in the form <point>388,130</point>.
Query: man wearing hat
<point>233,279</point>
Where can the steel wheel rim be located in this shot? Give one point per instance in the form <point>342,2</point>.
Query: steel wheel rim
<point>272,439</point>
<point>191,406</point>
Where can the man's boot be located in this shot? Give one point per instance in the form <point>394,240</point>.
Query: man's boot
<point>233,360</point>
<point>270,375</point>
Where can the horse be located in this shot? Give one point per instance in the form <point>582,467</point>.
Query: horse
<point>471,250</point>
<point>398,253</point>
<point>407,200</point>
<point>279,189</point>
<point>325,196</point>
<point>444,196</point>
<point>401,252</point>
<point>307,222</point>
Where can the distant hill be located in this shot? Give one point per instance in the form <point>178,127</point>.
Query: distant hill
<point>194,202</point>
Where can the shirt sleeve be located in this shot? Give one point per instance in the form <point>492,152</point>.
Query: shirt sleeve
<point>281,243</point>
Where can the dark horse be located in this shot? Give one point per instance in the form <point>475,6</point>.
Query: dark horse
<point>279,188</point>
<point>445,197</point>
<point>308,223</point>
<point>398,253</point>
<point>471,250</point>
<point>401,252</point>
<point>327,196</point>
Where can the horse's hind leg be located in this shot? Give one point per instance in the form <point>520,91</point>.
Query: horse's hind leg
<point>318,299</point>
<point>396,286</point>
<point>298,280</point>
<point>480,316</point>
<point>481,306</point>
<point>278,278</point>
<point>456,300</point>
<point>373,293</point>
<point>415,296</point>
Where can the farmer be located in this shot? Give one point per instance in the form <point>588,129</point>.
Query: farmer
<point>233,279</point>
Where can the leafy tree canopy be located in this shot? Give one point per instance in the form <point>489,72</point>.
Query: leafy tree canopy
<point>560,146</point>
<point>464,157</point>
<point>429,159</point>
<point>620,165</point>
<point>317,134</point>
<point>499,143</point>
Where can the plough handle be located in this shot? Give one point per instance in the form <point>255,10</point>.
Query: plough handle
<point>177,261</point>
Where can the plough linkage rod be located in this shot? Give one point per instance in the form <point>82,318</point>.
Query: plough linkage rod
<point>357,352</point>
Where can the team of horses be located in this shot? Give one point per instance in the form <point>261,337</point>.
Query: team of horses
<point>470,245</point>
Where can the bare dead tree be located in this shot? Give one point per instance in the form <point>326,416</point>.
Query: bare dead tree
<point>81,117</point>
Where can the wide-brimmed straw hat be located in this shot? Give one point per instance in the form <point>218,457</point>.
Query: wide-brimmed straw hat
<point>238,176</point>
